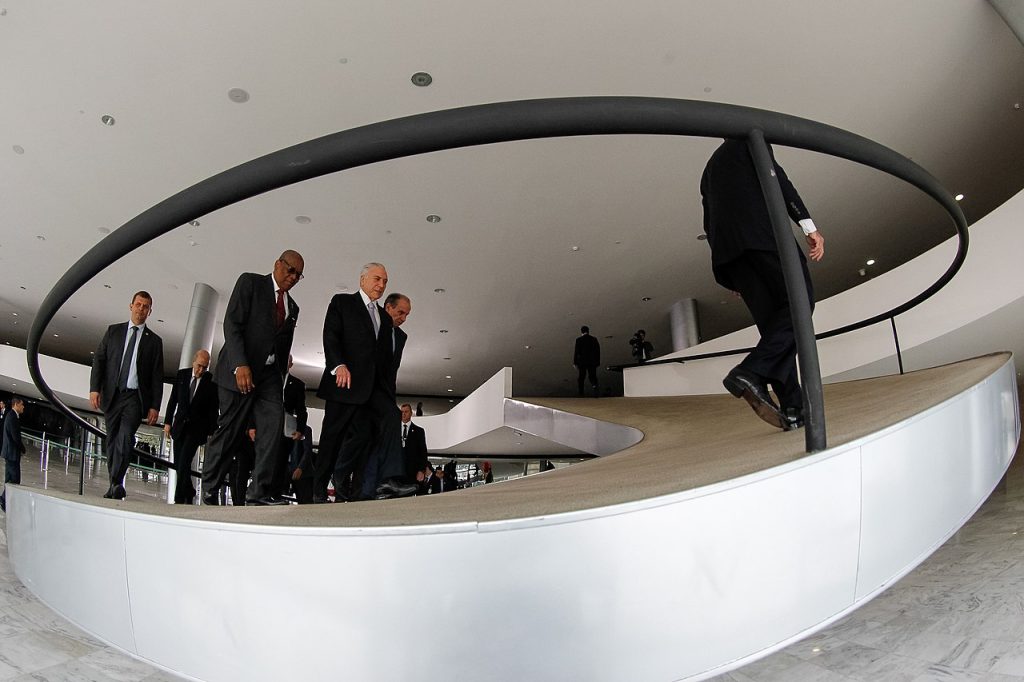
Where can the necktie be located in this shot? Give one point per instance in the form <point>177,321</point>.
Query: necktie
<point>405,432</point>
<point>192,387</point>
<point>279,311</point>
<point>372,307</point>
<point>126,361</point>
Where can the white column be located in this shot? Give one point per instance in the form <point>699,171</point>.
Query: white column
<point>685,328</point>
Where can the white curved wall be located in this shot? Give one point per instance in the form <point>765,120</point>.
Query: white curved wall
<point>676,587</point>
<point>990,281</point>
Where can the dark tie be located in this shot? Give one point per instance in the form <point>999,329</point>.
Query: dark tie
<point>192,387</point>
<point>126,361</point>
<point>279,311</point>
<point>405,432</point>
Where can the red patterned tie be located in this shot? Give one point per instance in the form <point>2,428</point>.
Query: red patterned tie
<point>279,312</point>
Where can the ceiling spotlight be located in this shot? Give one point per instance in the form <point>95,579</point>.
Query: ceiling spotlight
<point>870,261</point>
<point>438,291</point>
<point>303,219</point>
<point>40,237</point>
<point>422,79</point>
<point>451,390</point>
<point>449,400</point>
<point>159,320</point>
<point>238,95</point>
<point>15,314</point>
<point>645,299</point>
<point>446,358</point>
<point>56,336</point>
<point>446,376</point>
<point>107,120</point>
<point>106,286</point>
<point>18,149</point>
<point>526,347</point>
<point>443,331</point>
<point>575,248</point>
<point>702,237</point>
<point>343,60</point>
<point>433,218</point>
<point>959,197</point>
<point>194,223</point>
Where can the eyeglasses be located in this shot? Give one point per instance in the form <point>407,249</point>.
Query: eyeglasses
<point>290,270</point>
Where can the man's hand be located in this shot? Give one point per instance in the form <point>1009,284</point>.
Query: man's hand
<point>167,429</point>
<point>296,435</point>
<point>94,400</point>
<point>817,245</point>
<point>342,377</point>
<point>243,378</point>
<point>152,416</point>
<point>297,474</point>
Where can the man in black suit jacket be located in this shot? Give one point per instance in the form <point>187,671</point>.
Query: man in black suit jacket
<point>127,381</point>
<point>414,444</point>
<point>586,357</point>
<point>258,328</point>
<point>358,383</point>
<point>13,447</point>
<point>295,416</point>
<point>745,259</point>
<point>190,419</point>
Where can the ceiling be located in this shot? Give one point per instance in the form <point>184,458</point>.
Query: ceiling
<point>535,237</point>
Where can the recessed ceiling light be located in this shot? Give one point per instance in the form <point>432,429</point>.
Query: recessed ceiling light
<point>56,336</point>
<point>707,89</point>
<point>446,358</point>
<point>194,223</point>
<point>23,288</point>
<point>422,79</point>
<point>343,60</point>
<point>449,400</point>
<point>303,219</point>
<point>107,120</point>
<point>451,390</point>
<point>433,218</point>
<point>238,95</point>
<point>526,347</point>
<point>106,286</point>
<point>702,237</point>
<point>645,299</point>
<point>871,261</point>
<point>40,237</point>
<point>18,149</point>
<point>159,320</point>
<point>15,314</point>
<point>959,197</point>
<point>443,331</point>
<point>575,248</point>
<point>438,291</point>
<point>193,242</point>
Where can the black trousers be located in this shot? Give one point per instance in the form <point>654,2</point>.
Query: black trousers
<point>348,437</point>
<point>757,276</point>
<point>184,452</point>
<point>122,420</point>
<point>263,408</point>
<point>588,371</point>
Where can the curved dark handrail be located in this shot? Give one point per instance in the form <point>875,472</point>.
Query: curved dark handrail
<point>471,126</point>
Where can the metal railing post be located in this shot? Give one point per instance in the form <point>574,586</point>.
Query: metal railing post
<point>796,290</point>
<point>896,340</point>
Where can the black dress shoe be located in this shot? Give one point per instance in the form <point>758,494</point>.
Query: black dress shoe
<point>211,499</point>
<point>120,493</point>
<point>752,389</point>
<point>396,488</point>
<point>109,495</point>
<point>793,419</point>
<point>266,501</point>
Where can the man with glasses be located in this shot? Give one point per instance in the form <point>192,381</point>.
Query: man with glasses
<point>190,419</point>
<point>258,328</point>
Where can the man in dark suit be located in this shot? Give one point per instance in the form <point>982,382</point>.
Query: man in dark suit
<point>258,328</point>
<point>295,416</point>
<point>190,419</point>
<point>358,383</point>
<point>414,445</point>
<point>13,447</point>
<point>586,357</point>
<point>745,259</point>
<point>442,482</point>
<point>127,381</point>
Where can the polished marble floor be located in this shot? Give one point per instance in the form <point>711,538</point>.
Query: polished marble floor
<point>958,616</point>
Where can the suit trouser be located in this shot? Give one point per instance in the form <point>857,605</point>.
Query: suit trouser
<point>339,455</point>
<point>184,452</point>
<point>12,474</point>
<point>589,371</point>
<point>122,420</point>
<point>261,408</point>
<point>385,460</point>
<point>757,276</point>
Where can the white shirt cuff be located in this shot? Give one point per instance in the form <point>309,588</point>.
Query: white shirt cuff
<point>807,225</point>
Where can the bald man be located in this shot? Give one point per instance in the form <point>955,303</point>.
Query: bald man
<point>190,419</point>
<point>258,328</point>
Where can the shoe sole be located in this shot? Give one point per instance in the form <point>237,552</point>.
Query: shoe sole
<point>766,412</point>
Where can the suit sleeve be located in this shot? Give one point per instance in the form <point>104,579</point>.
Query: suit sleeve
<point>576,353</point>
<point>172,402</point>
<point>235,319</point>
<point>99,366</point>
<point>334,327</point>
<point>157,396</point>
<point>794,204</point>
